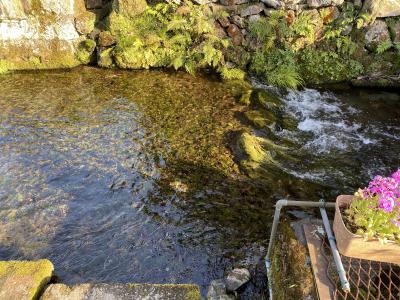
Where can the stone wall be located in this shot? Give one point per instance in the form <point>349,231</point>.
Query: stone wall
<point>42,33</point>
<point>61,34</point>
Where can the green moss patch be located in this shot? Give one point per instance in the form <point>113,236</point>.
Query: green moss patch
<point>24,279</point>
<point>5,66</point>
<point>291,275</point>
<point>85,50</point>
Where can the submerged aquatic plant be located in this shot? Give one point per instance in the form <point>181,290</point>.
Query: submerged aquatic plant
<point>375,210</point>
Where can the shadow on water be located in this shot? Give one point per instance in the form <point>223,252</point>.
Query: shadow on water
<point>126,177</point>
<point>133,176</point>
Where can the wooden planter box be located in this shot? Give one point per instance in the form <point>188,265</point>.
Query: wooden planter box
<point>353,245</point>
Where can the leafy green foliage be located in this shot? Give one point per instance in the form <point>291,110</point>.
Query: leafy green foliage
<point>167,35</point>
<point>372,223</point>
<point>232,73</point>
<point>341,24</point>
<point>324,66</point>
<point>5,66</point>
<point>384,46</point>
<point>292,51</point>
<point>278,67</point>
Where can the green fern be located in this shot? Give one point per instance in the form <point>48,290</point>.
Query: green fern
<point>383,47</point>
<point>278,67</point>
<point>160,37</point>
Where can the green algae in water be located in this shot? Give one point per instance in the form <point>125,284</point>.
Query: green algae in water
<point>113,175</point>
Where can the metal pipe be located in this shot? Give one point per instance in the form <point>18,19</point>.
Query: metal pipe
<point>284,203</point>
<point>278,207</point>
<point>335,253</point>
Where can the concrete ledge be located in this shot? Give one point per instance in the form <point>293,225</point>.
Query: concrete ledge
<point>122,292</point>
<point>24,280</point>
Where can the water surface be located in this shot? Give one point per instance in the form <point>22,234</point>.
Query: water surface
<point>122,176</point>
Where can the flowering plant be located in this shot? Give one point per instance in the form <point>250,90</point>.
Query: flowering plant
<point>375,210</point>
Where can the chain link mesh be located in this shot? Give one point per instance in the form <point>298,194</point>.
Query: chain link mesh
<point>369,280</point>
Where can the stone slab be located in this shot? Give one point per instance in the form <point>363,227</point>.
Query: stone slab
<point>122,292</point>
<point>24,280</point>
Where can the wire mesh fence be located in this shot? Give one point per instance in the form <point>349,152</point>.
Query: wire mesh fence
<point>369,280</point>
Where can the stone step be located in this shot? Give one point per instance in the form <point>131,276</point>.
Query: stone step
<point>28,280</point>
<point>100,291</point>
<point>24,280</point>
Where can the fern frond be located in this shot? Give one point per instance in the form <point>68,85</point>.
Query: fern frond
<point>384,46</point>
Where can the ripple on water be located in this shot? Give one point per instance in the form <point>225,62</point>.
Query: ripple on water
<point>88,162</point>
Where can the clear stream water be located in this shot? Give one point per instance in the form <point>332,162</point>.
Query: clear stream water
<point>132,176</point>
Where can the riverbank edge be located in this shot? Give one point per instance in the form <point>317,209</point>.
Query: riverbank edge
<point>33,280</point>
<point>94,33</point>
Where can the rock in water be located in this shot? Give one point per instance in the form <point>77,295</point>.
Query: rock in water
<point>237,278</point>
<point>217,291</point>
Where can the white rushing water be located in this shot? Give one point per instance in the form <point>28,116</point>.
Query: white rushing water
<point>343,134</point>
<point>331,124</point>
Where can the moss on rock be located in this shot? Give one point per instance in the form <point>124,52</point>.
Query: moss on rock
<point>265,99</point>
<point>24,279</point>
<point>123,291</point>
<point>291,275</point>
<point>260,118</point>
<point>85,22</point>
<point>129,8</point>
<point>85,50</point>
<point>5,66</point>
<point>105,58</point>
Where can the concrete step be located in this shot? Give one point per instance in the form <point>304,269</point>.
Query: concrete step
<point>29,280</point>
<point>100,291</point>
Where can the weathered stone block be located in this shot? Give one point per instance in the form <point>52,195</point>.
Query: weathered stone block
<point>382,8</point>
<point>376,33</point>
<point>236,278</point>
<point>24,280</point>
<point>129,8</point>
<point>106,39</point>
<point>272,3</point>
<point>237,20</point>
<point>122,292</point>
<point>318,3</point>
<point>253,9</point>
<point>220,32</point>
<point>224,21</point>
<point>235,34</point>
<point>84,22</point>
<point>233,2</point>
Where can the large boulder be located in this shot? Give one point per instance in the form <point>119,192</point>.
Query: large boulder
<point>237,278</point>
<point>217,291</point>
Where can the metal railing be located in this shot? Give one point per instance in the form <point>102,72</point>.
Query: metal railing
<point>321,205</point>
